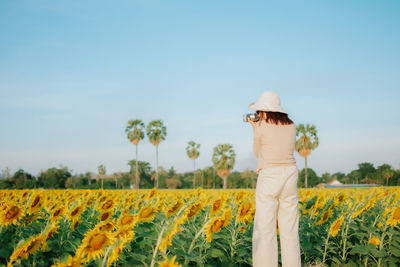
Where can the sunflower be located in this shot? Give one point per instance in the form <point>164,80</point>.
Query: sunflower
<point>394,218</point>
<point>168,263</point>
<point>194,209</point>
<point>374,240</point>
<point>124,233</point>
<point>173,209</point>
<point>127,221</point>
<point>216,223</point>
<point>115,252</point>
<point>76,212</point>
<point>217,205</point>
<point>244,212</point>
<point>213,227</point>
<point>70,262</point>
<point>35,204</point>
<point>107,205</point>
<point>152,193</point>
<point>76,223</point>
<point>48,233</point>
<point>167,240</point>
<point>27,248</point>
<point>146,214</point>
<point>93,244</point>
<point>106,226</point>
<point>335,227</point>
<point>324,217</point>
<point>242,229</point>
<point>240,195</point>
<point>10,214</point>
<point>107,215</point>
<point>58,212</point>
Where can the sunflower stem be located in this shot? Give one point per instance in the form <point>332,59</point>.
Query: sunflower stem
<point>198,234</point>
<point>158,243</point>
<point>104,262</point>
<point>326,246</point>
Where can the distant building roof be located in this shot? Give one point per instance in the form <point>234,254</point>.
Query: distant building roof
<point>334,182</point>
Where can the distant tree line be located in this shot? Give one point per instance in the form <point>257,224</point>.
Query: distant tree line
<point>62,177</point>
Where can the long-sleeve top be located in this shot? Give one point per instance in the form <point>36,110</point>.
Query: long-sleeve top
<point>274,144</point>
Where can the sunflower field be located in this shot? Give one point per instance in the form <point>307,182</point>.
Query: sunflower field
<point>149,227</point>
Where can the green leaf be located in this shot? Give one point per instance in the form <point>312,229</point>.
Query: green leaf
<point>395,251</point>
<point>216,253</point>
<point>359,249</point>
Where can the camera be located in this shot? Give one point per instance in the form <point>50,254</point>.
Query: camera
<point>251,117</point>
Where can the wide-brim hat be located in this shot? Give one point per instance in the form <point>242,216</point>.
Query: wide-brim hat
<point>268,101</point>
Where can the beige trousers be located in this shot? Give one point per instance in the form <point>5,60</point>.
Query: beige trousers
<point>276,198</point>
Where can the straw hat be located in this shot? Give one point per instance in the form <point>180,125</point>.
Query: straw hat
<point>268,101</point>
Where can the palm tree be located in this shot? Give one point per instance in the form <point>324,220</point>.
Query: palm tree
<point>386,171</point>
<point>224,160</point>
<point>193,153</point>
<point>116,175</point>
<point>102,172</point>
<point>135,133</point>
<point>307,141</point>
<point>156,132</point>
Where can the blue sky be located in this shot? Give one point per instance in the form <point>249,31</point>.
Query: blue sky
<point>72,73</point>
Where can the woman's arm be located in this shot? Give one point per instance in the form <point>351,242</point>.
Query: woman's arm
<point>256,138</point>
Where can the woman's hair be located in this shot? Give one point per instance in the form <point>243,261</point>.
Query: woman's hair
<point>275,117</point>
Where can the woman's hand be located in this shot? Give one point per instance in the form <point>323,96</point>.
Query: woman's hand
<point>253,123</point>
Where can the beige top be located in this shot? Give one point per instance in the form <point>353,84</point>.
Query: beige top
<point>274,144</point>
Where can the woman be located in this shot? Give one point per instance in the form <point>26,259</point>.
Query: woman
<point>276,189</point>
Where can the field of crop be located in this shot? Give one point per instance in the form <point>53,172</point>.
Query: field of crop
<point>352,227</point>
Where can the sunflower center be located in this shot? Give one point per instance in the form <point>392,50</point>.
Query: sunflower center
<point>245,209</point>
<point>216,204</point>
<point>147,212</point>
<point>35,202</point>
<point>104,216</point>
<point>12,213</point>
<point>396,214</point>
<point>98,241</point>
<point>75,211</point>
<point>216,226</point>
<point>108,204</point>
<point>126,220</point>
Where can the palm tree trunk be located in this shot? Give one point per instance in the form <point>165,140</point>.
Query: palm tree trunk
<point>202,179</point>
<point>305,160</point>
<point>137,170</point>
<point>194,174</point>
<point>214,177</point>
<point>101,182</point>
<point>156,167</point>
<point>225,182</point>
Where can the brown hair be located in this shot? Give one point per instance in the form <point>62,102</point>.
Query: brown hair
<point>275,117</point>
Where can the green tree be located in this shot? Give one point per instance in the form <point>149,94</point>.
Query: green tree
<point>313,178</point>
<point>224,159</point>
<point>144,170</point>
<point>54,177</point>
<point>307,141</point>
<point>367,171</point>
<point>354,176</point>
<point>386,172</point>
<point>102,171</point>
<point>135,133</point>
<point>156,132</point>
<point>116,176</point>
<point>192,150</point>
